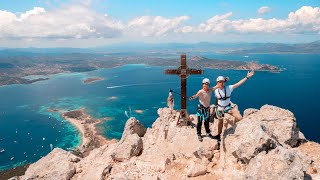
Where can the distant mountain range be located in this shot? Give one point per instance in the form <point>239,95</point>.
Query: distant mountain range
<point>162,48</point>
<point>230,48</point>
<point>277,48</point>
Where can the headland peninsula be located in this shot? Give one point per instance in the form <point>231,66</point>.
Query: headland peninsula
<point>14,68</point>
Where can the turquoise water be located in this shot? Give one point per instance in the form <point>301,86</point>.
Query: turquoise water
<point>28,129</point>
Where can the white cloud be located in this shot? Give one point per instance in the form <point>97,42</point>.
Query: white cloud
<point>34,11</point>
<point>304,20</point>
<point>76,22</point>
<point>155,25</point>
<point>67,22</point>
<point>264,10</point>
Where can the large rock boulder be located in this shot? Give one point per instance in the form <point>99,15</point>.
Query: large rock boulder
<point>131,146</point>
<point>279,163</point>
<point>97,165</point>
<point>133,126</point>
<point>259,133</point>
<point>280,124</point>
<point>58,164</point>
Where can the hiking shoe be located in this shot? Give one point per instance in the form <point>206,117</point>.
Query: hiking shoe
<point>217,137</point>
<point>200,138</point>
<point>210,136</point>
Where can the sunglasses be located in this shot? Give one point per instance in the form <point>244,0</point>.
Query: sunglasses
<point>220,81</point>
<point>206,84</point>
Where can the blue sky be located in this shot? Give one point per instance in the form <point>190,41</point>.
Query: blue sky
<point>83,23</point>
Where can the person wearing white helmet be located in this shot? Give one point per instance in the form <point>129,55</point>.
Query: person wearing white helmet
<point>203,112</point>
<point>223,103</point>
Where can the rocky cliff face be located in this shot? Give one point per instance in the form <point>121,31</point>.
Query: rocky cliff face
<point>266,144</point>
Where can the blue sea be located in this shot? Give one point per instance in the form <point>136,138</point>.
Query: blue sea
<point>28,130</point>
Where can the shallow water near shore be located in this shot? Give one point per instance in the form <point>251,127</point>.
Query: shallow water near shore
<point>28,128</point>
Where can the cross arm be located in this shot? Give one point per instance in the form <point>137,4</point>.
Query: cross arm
<point>171,71</point>
<point>195,71</point>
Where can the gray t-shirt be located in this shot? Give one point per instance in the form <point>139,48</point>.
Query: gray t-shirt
<point>205,97</point>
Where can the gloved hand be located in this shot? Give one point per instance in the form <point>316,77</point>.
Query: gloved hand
<point>191,98</point>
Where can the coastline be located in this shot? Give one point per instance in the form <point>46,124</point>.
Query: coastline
<point>95,79</point>
<point>91,137</point>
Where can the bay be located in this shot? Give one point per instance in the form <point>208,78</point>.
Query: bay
<point>27,129</point>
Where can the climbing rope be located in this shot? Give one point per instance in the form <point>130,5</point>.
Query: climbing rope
<point>170,90</point>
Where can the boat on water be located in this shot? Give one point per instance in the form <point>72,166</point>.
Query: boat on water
<point>11,158</point>
<point>2,150</point>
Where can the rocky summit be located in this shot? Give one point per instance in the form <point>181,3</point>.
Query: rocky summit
<point>266,144</point>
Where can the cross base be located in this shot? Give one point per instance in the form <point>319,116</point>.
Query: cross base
<point>184,119</point>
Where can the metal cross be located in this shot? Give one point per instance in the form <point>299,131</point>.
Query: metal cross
<point>183,71</point>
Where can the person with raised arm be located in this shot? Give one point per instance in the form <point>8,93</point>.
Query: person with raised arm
<point>223,103</point>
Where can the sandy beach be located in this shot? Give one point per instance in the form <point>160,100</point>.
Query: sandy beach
<point>91,138</point>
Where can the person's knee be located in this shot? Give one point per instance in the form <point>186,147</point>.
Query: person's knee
<point>238,117</point>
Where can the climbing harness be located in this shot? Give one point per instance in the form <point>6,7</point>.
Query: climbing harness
<point>225,94</point>
<point>226,109</point>
<point>203,112</point>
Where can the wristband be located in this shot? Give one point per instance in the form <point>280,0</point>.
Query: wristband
<point>247,77</point>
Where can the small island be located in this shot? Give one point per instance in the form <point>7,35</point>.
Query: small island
<point>92,80</point>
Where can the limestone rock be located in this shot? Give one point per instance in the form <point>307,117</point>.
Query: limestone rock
<point>251,138</point>
<point>131,146</point>
<point>249,111</point>
<point>266,144</point>
<point>281,124</point>
<point>260,132</point>
<point>56,165</point>
<point>97,164</point>
<point>133,126</point>
<point>196,168</point>
<point>279,163</point>
<point>148,177</point>
<point>312,161</point>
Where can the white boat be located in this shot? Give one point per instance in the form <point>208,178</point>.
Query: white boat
<point>11,158</point>
<point>2,150</point>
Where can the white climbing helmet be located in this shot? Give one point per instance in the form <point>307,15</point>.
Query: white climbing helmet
<point>205,80</point>
<point>220,78</point>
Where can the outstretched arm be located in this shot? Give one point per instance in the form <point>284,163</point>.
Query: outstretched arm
<point>194,96</point>
<point>213,88</point>
<point>249,75</point>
